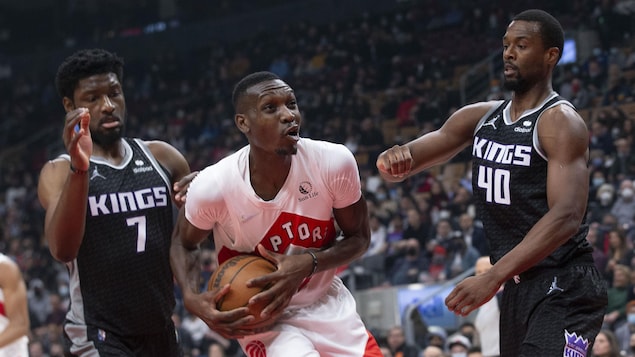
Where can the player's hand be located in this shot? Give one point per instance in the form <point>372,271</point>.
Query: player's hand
<point>226,323</point>
<point>182,185</point>
<point>471,293</point>
<point>280,286</point>
<point>395,163</point>
<point>77,139</point>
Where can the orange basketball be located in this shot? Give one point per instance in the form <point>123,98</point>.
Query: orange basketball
<point>236,272</point>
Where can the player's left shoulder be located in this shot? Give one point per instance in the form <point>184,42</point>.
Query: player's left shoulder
<point>169,157</point>
<point>562,116</point>
<point>322,147</point>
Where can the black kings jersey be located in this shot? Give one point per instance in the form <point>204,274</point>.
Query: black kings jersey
<point>121,280</point>
<point>509,179</point>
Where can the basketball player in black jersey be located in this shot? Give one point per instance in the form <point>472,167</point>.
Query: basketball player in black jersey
<point>530,179</point>
<point>109,217</point>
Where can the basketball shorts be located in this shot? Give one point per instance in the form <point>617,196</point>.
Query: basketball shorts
<point>329,327</point>
<point>552,312</point>
<point>89,341</point>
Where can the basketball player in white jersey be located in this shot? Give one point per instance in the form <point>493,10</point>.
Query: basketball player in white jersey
<point>14,314</point>
<point>279,197</point>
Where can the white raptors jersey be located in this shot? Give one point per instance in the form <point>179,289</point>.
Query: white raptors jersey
<point>323,176</point>
<point>18,348</point>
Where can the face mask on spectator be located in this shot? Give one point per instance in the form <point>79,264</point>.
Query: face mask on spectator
<point>597,181</point>
<point>631,319</point>
<point>627,193</point>
<point>605,197</point>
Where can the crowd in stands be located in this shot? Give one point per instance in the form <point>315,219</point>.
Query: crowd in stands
<point>367,83</point>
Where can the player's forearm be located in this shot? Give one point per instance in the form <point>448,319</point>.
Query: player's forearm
<point>14,331</point>
<point>343,252</point>
<point>185,267</point>
<point>66,224</point>
<point>544,238</point>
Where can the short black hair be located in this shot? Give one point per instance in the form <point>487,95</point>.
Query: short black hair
<point>248,81</point>
<point>551,30</point>
<point>85,63</point>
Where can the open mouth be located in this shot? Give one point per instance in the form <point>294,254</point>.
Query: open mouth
<point>293,132</point>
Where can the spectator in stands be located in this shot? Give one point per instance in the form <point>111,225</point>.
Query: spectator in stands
<point>605,344</point>
<point>473,233</point>
<point>378,236</point>
<point>397,344</point>
<point>599,257</point>
<point>602,203</point>
<point>622,165</point>
<point>617,251</point>
<point>624,207</point>
<point>409,264</point>
<point>460,257</point>
<point>617,297</point>
<point>624,331</point>
<point>432,351</point>
<point>416,227</point>
<point>437,336</point>
<point>39,303</point>
<point>458,345</point>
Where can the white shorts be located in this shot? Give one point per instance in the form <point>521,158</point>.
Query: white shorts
<point>329,327</point>
<point>18,348</point>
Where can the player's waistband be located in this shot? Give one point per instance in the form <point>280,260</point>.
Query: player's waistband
<point>578,261</point>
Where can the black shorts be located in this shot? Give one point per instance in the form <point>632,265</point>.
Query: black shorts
<point>553,312</point>
<point>82,340</point>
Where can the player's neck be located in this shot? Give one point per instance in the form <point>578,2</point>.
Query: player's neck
<point>113,153</point>
<point>267,176</point>
<point>530,99</point>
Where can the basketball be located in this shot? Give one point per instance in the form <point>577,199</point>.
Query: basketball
<point>236,272</point>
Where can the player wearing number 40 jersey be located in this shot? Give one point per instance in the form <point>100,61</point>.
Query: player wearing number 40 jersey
<point>530,179</point>
<point>109,217</point>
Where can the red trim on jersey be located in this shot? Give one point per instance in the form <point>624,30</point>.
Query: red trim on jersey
<point>372,348</point>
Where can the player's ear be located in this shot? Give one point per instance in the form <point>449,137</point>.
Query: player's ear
<point>553,55</point>
<point>242,123</point>
<point>68,104</point>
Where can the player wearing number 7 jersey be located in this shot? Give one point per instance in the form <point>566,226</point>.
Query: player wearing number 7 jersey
<point>109,217</point>
<point>530,179</point>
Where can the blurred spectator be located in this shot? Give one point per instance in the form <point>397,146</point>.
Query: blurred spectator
<point>397,343</point>
<point>378,236</point>
<point>473,233</point>
<point>622,166</point>
<point>416,227</point>
<point>409,265</point>
<point>624,331</point>
<point>606,345</point>
<point>599,257</point>
<point>460,257</point>
<point>39,303</point>
<point>624,207</point>
<point>458,345</point>
<point>617,297</point>
<point>432,351</point>
<point>437,336</point>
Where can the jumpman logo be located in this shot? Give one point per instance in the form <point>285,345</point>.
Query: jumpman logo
<point>492,122</point>
<point>96,174</point>
<point>554,286</point>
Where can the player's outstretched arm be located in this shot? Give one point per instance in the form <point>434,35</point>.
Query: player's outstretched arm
<point>402,161</point>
